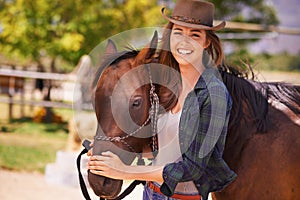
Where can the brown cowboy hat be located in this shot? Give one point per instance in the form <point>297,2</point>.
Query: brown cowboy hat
<point>194,14</point>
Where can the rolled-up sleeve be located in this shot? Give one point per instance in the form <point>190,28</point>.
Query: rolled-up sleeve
<point>198,141</point>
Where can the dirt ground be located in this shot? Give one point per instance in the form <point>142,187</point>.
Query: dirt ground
<point>33,186</point>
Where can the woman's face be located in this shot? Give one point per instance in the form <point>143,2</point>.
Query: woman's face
<point>187,45</point>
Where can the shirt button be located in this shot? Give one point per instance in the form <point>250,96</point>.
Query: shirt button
<point>165,176</point>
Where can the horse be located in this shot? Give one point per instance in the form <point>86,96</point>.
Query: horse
<point>262,144</point>
<point>263,140</point>
<point>126,104</point>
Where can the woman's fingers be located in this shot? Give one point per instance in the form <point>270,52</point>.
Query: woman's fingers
<point>92,144</point>
<point>109,154</point>
<point>107,164</point>
<point>100,158</point>
<point>97,172</point>
<point>99,166</point>
<point>90,152</point>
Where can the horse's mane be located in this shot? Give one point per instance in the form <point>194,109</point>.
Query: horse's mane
<point>256,94</point>
<point>285,93</point>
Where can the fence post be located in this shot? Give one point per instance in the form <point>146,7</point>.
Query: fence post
<point>11,91</point>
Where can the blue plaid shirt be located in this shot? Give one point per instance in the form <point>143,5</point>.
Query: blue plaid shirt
<point>202,132</point>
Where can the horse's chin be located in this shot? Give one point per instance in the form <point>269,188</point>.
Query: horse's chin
<point>105,187</point>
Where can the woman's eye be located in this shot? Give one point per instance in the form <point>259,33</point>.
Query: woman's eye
<point>177,33</point>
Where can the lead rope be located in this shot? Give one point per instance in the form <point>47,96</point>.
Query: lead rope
<point>154,100</point>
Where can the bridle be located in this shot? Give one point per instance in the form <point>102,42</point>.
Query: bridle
<point>152,117</point>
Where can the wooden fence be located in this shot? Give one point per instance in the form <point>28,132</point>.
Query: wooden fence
<point>12,82</point>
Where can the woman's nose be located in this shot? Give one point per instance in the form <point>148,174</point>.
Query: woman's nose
<point>185,39</point>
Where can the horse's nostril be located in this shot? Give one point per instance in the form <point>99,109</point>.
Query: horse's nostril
<point>106,181</point>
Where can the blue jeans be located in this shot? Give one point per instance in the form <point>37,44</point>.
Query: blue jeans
<point>149,194</point>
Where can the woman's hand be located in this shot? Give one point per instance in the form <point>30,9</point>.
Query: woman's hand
<point>107,164</point>
<point>90,152</point>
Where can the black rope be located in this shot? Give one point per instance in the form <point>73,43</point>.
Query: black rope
<point>81,180</point>
<point>129,189</point>
<point>84,190</point>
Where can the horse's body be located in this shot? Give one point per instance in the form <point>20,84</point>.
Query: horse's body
<point>263,141</point>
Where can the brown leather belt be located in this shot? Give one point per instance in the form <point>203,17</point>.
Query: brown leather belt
<point>155,188</point>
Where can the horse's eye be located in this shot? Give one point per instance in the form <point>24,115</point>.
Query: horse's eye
<point>137,102</point>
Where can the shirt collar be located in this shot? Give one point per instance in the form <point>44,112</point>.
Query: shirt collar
<point>206,77</point>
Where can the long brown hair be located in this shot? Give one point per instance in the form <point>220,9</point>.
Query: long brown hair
<point>214,49</point>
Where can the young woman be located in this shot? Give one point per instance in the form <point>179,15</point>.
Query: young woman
<point>189,164</point>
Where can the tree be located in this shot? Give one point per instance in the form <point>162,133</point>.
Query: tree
<point>67,29</point>
<point>70,28</point>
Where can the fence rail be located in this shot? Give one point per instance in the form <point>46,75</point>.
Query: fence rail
<point>51,104</point>
<point>37,75</point>
<point>8,85</point>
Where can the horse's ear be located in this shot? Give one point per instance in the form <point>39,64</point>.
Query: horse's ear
<point>147,53</point>
<point>110,47</point>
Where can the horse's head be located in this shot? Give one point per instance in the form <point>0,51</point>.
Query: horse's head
<point>122,103</point>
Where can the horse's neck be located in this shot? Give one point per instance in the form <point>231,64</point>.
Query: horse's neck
<point>257,108</point>
<point>247,117</point>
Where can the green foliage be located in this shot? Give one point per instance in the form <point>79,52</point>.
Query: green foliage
<point>68,29</point>
<point>256,11</point>
<point>264,61</point>
<point>280,62</point>
<point>250,11</point>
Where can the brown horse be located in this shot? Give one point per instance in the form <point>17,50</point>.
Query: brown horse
<point>263,141</point>
<point>126,105</point>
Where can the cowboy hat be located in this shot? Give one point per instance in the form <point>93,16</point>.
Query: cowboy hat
<point>194,14</point>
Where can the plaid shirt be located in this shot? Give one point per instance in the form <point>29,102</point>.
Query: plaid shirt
<point>202,132</point>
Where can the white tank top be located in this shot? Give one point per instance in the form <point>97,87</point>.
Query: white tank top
<point>169,149</point>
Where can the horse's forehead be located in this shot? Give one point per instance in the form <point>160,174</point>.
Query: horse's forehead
<point>124,66</point>
<point>126,73</point>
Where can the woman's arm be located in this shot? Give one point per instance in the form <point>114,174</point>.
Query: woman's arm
<point>110,165</point>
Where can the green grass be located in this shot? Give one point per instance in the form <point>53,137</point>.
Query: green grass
<point>29,146</point>
<point>25,158</point>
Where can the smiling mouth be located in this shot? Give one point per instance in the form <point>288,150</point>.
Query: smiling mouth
<point>184,51</point>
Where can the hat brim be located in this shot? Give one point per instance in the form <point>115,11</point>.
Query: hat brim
<point>190,25</point>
